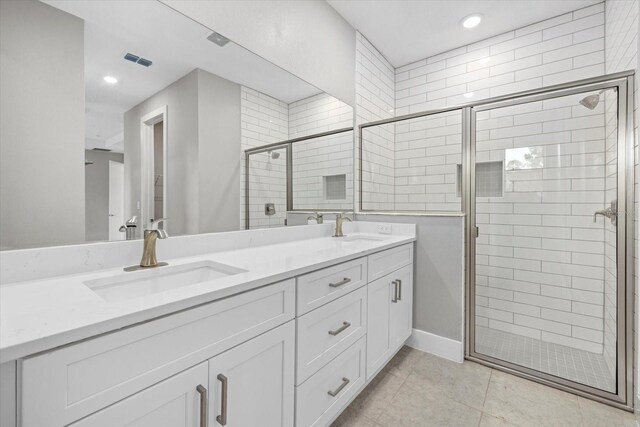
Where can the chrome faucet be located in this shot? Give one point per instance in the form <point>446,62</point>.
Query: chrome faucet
<point>317,217</point>
<point>151,235</point>
<point>339,220</point>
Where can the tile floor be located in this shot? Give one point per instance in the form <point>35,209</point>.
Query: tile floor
<point>555,359</point>
<point>419,389</point>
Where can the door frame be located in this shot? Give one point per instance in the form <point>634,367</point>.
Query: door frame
<point>113,165</point>
<point>147,123</point>
<point>624,398</point>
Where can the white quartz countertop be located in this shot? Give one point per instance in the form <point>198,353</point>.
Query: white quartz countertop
<point>42,314</point>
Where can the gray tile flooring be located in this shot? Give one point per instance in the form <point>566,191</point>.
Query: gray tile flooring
<point>559,360</point>
<point>419,389</point>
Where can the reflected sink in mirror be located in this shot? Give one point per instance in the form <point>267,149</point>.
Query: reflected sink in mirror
<point>147,282</point>
<point>363,238</point>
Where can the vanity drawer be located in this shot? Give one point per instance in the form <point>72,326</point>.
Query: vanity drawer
<point>320,287</point>
<point>385,262</point>
<point>69,383</point>
<point>326,393</point>
<point>328,331</point>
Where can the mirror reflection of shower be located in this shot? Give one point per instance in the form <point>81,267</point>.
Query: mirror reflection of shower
<point>592,101</point>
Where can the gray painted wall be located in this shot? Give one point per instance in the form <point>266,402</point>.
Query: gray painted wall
<point>438,303</point>
<point>41,125</point>
<point>203,145</point>
<point>96,189</point>
<point>181,99</point>
<point>218,153</point>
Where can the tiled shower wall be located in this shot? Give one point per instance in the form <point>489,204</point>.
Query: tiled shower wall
<point>375,101</point>
<point>317,158</point>
<point>565,48</point>
<point>265,120</point>
<point>540,256</point>
<point>622,54</point>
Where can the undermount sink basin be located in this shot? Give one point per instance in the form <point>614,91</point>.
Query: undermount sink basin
<point>365,238</point>
<point>147,282</point>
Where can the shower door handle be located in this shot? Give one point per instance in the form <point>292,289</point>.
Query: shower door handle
<point>611,212</point>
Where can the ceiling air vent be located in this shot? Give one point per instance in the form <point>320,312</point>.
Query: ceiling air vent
<point>144,62</point>
<point>131,57</point>
<point>218,39</point>
<point>135,58</point>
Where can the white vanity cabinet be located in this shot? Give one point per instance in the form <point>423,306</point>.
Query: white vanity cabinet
<point>252,384</point>
<point>295,352</point>
<point>175,402</point>
<point>390,302</point>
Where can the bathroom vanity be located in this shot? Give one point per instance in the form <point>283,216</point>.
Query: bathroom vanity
<point>277,334</point>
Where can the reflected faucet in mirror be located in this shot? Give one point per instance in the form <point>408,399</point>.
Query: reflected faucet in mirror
<point>317,217</point>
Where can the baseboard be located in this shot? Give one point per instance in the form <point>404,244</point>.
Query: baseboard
<point>435,344</point>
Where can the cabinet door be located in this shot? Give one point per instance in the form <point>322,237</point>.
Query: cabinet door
<point>174,402</point>
<point>401,320</point>
<point>252,384</point>
<point>379,296</point>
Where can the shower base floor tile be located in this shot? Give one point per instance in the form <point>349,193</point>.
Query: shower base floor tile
<point>565,362</point>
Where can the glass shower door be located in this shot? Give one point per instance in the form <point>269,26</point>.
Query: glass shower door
<point>546,252</point>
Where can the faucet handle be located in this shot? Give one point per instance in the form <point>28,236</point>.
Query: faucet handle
<point>155,222</point>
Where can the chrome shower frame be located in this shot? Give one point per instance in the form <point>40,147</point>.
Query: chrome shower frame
<point>288,145</point>
<point>624,83</point>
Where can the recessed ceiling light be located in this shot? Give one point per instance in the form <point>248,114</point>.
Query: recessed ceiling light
<point>472,21</point>
<point>111,80</point>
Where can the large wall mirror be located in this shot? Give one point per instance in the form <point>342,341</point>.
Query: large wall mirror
<point>116,113</point>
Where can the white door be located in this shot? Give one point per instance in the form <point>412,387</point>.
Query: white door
<point>174,402</point>
<point>116,200</point>
<point>378,301</point>
<point>252,384</point>
<point>402,309</point>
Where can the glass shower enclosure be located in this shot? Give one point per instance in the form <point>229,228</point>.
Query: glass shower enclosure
<point>549,288</point>
<point>544,179</point>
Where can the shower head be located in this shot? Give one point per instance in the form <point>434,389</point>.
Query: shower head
<point>590,101</point>
<point>274,155</point>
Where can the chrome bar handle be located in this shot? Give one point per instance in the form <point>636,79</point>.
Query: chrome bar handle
<point>344,326</point>
<point>340,283</point>
<point>395,291</point>
<point>204,404</point>
<point>222,418</point>
<point>335,392</point>
<point>399,289</point>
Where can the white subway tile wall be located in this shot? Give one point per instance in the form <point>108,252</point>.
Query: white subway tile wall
<point>621,50</point>
<point>266,120</point>
<point>317,158</point>
<point>375,100</point>
<point>263,120</point>
<point>554,180</point>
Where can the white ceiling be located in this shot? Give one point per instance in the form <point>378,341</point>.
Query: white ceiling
<point>176,45</point>
<point>407,31</point>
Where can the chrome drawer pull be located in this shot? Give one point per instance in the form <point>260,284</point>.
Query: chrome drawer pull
<point>204,404</point>
<point>399,289</point>
<point>222,418</point>
<point>344,326</point>
<point>335,392</point>
<point>340,283</point>
<point>395,291</point>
